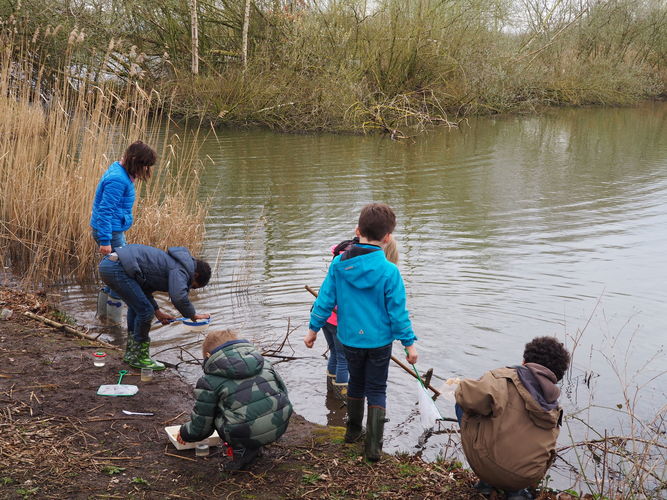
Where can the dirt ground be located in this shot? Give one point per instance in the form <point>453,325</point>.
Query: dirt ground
<point>59,439</point>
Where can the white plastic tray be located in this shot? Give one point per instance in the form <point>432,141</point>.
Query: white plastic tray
<point>172,432</point>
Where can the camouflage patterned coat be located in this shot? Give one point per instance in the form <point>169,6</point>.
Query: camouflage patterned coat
<point>240,396</point>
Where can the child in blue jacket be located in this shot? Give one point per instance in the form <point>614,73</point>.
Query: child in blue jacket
<point>369,293</point>
<point>114,197</point>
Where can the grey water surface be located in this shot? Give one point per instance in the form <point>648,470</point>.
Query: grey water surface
<point>508,228</point>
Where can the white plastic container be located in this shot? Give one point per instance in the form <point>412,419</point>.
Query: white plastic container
<point>146,374</point>
<point>102,298</point>
<point>114,311</point>
<point>172,432</point>
<point>99,359</point>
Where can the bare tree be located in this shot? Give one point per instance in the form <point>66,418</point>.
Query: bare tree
<point>244,36</point>
<point>194,26</point>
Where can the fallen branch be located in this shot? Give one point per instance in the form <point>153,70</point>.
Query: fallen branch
<point>173,418</point>
<point>178,456</point>
<point>69,329</point>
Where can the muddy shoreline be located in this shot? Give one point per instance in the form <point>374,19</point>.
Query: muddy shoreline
<point>60,439</point>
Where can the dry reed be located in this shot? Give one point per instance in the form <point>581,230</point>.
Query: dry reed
<point>54,146</point>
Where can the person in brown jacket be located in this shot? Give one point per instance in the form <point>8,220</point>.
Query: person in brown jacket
<point>510,419</point>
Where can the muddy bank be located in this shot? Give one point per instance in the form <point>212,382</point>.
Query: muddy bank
<point>60,439</point>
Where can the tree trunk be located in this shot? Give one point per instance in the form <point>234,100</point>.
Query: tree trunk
<point>244,40</point>
<point>194,26</point>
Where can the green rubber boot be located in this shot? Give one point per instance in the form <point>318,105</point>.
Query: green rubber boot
<point>143,358</point>
<point>374,433</point>
<point>130,350</point>
<point>355,417</point>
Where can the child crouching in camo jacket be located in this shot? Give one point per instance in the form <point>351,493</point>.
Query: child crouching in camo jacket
<point>240,396</point>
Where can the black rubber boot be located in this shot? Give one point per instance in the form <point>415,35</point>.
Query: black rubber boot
<point>374,433</point>
<point>243,457</point>
<point>340,391</point>
<point>331,377</point>
<point>355,418</point>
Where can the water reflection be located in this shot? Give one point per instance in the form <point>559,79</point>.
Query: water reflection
<point>509,228</point>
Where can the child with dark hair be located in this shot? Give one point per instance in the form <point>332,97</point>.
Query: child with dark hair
<point>337,372</point>
<point>241,396</point>
<point>135,272</point>
<point>370,295</point>
<point>112,206</point>
<point>510,419</point>
<point>114,197</point>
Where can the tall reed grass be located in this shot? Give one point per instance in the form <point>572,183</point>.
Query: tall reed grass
<point>58,134</point>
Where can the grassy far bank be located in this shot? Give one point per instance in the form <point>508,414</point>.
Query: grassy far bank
<point>388,66</point>
<point>60,440</point>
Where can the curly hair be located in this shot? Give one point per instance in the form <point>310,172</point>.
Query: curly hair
<point>548,352</point>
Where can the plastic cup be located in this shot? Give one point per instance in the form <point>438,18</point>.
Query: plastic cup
<point>99,358</point>
<point>201,450</point>
<point>146,374</point>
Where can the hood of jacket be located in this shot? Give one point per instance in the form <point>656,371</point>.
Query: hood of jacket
<point>363,266</point>
<point>237,359</point>
<point>183,257</point>
<point>547,416</point>
<point>541,383</point>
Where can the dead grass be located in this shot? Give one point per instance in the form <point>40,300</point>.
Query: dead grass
<point>55,145</point>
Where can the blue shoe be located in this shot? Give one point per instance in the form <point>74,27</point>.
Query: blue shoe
<point>519,495</point>
<point>483,488</point>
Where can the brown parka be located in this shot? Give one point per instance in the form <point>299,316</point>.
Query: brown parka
<point>508,438</point>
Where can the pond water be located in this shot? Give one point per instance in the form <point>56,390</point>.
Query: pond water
<point>508,228</point>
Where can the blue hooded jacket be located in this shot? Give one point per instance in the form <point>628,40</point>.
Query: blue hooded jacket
<point>112,205</point>
<point>370,295</point>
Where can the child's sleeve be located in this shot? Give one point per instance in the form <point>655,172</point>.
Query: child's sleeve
<point>201,424</point>
<point>178,292</point>
<point>326,300</point>
<point>401,326</point>
<point>485,396</point>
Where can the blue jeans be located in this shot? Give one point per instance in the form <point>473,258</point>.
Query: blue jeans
<point>117,241</point>
<point>459,413</point>
<point>140,310</point>
<point>337,364</point>
<point>368,373</point>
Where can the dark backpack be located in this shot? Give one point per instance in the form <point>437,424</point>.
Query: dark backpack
<point>344,246</point>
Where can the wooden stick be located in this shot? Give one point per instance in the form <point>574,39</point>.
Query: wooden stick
<point>312,292</point>
<point>173,418</point>
<point>436,392</point>
<point>178,456</point>
<point>69,329</point>
<point>427,377</point>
